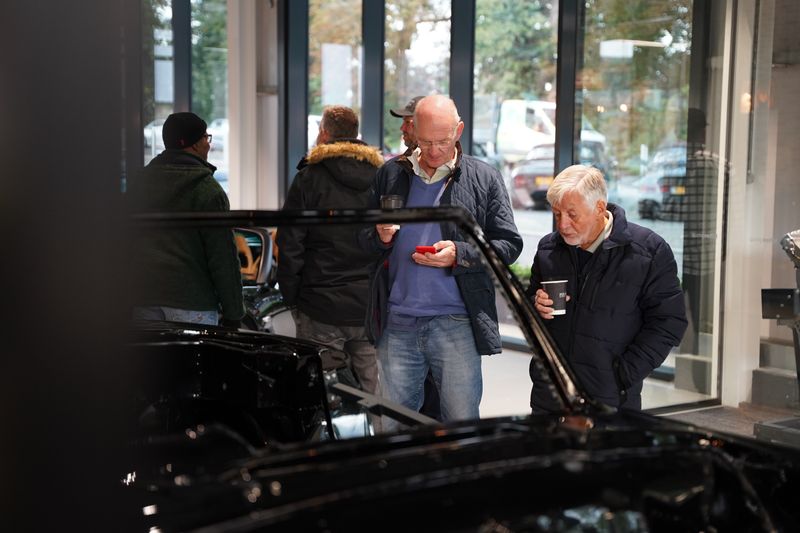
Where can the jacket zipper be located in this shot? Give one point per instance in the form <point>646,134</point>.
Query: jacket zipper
<point>574,315</point>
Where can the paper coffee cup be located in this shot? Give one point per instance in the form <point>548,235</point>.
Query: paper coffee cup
<point>391,201</point>
<point>557,291</point>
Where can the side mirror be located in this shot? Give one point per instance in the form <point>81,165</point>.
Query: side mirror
<point>254,246</point>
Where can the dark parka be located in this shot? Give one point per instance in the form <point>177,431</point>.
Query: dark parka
<point>479,189</point>
<point>322,270</point>
<point>625,313</point>
<point>187,269</point>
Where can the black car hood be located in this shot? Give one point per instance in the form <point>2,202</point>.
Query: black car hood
<point>588,469</point>
<point>526,474</point>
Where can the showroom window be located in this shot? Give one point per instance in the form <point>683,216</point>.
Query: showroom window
<point>416,60</point>
<point>514,107</point>
<point>629,75</point>
<point>163,77</point>
<point>335,56</point>
<point>645,83</point>
<point>158,73</point>
<point>210,77</point>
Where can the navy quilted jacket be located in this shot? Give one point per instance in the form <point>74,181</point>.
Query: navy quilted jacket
<point>479,189</point>
<point>626,311</point>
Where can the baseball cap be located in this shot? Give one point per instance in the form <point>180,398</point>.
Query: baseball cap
<point>408,110</point>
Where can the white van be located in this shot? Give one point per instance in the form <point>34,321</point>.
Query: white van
<point>525,124</point>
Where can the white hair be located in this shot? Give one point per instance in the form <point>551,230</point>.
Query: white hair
<point>585,180</point>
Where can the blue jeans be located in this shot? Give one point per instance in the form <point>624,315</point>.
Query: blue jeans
<point>172,314</point>
<point>446,345</point>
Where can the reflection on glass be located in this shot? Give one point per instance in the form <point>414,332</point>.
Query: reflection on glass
<point>514,108</point>
<point>417,59</point>
<point>514,127</point>
<point>637,79</point>
<point>158,94</point>
<point>334,59</point>
<point>210,78</point>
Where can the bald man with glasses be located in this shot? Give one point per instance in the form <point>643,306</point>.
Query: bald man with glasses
<point>436,310</point>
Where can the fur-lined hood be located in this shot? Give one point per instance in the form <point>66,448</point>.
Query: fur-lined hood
<point>352,148</point>
<point>349,162</point>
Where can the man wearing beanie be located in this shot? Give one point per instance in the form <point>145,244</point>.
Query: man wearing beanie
<point>185,275</point>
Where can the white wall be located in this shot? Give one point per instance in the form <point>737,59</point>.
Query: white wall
<point>253,104</point>
<point>749,218</point>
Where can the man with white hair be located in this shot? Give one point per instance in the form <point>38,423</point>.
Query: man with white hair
<point>625,309</point>
<point>436,310</point>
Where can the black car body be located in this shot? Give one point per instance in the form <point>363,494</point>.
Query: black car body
<point>196,466</point>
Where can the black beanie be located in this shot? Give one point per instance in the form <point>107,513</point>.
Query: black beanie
<point>182,130</point>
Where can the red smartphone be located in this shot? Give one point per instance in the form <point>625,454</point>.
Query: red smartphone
<point>426,249</point>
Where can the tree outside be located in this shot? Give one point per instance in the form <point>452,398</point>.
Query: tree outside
<point>209,59</point>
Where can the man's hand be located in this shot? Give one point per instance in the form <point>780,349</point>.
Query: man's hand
<point>386,232</point>
<point>444,257</point>
<point>543,304</point>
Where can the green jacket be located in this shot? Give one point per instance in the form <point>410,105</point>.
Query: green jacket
<point>185,268</point>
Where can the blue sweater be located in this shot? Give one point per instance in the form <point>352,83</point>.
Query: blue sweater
<point>479,189</point>
<point>418,290</point>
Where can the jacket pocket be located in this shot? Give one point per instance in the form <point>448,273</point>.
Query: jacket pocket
<point>621,378</point>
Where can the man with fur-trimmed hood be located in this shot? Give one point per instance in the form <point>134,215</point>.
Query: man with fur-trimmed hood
<point>322,270</point>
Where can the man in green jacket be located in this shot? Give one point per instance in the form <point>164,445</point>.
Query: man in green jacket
<point>186,275</point>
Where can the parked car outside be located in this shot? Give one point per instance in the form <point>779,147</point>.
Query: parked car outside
<point>486,153</point>
<point>594,153</point>
<point>524,124</point>
<point>246,431</point>
<point>531,177</point>
<point>649,197</point>
<point>662,190</point>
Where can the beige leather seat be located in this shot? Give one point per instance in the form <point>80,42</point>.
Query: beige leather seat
<point>250,267</point>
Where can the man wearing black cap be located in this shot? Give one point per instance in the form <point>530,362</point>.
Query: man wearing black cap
<point>407,127</point>
<point>185,275</point>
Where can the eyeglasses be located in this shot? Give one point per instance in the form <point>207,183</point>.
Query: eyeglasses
<point>442,143</point>
<point>208,136</point>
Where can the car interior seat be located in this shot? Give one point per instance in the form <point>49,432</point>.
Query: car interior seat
<point>249,265</point>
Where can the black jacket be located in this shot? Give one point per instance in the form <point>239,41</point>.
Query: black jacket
<point>625,312</point>
<point>479,189</point>
<point>188,269</point>
<point>322,270</point>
